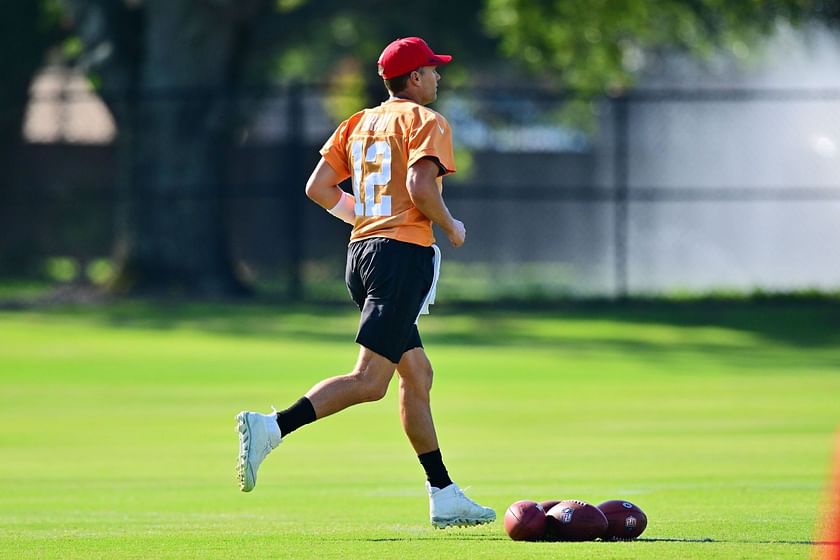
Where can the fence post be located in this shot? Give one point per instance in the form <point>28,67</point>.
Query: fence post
<point>621,172</point>
<point>295,181</point>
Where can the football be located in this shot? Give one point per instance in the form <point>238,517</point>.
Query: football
<point>548,504</point>
<point>525,521</point>
<point>625,520</point>
<point>574,520</point>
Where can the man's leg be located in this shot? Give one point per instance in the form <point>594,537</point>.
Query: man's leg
<point>416,374</point>
<point>260,433</point>
<point>415,371</point>
<point>367,382</point>
<point>448,505</point>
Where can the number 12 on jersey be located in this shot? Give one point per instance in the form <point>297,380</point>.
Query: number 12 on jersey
<point>366,204</point>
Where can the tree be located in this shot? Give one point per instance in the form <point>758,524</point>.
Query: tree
<point>27,29</point>
<point>168,69</point>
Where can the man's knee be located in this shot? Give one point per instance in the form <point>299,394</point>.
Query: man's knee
<point>372,377</point>
<point>419,383</point>
<point>372,388</point>
<point>416,373</point>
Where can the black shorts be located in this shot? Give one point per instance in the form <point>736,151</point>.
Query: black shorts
<point>389,281</point>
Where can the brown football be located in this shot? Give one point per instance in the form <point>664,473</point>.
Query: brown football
<point>525,521</point>
<point>625,520</point>
<point>548,504</point>
<point>574,520</point>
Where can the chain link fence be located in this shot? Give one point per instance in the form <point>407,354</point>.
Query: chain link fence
<point>656,193</point>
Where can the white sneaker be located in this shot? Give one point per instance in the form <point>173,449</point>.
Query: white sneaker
<point>258,435</point>
<point>449,506</point>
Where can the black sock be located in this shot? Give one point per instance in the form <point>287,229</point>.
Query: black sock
<point>435,471</point>
<point>297,415</point>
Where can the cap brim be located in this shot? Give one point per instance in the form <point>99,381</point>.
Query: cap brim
<point>440,59</point>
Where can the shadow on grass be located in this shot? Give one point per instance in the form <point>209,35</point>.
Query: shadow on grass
<point>802,323</point>
<point>616,543</point>
<point>736,541</point>
<point>451,537</point>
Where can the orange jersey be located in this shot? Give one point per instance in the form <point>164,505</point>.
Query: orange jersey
<point>375,147</point>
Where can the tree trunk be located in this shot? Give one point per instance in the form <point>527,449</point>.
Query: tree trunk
<point>24,37</point>
<point>175,129</point>
<point>19,255</point>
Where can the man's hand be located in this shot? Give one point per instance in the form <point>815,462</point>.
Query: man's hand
<point>457,233</point>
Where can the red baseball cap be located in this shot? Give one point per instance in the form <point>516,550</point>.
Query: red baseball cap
<point>405,55</point>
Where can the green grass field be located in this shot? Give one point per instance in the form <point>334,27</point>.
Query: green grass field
<point>117,437</point>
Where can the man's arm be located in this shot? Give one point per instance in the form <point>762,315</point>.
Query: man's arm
<point>424,193</point>
<point>322,187</point>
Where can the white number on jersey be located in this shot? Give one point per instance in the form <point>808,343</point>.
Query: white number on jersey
<point>366,204</point>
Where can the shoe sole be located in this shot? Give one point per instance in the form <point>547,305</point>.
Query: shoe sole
<point>460,522</point>
<point>243,469</point>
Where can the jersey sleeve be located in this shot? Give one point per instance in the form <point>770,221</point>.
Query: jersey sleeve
<point>334,150</point>
<point>432,138</point>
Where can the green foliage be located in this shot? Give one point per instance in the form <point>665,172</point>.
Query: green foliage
<point>61,269</point>
<point>324,41</point>
<point>329,31</point>
<point>600,45</point>
<point>284,6</point>
<point>590,47</point>
<point>72,48</point>
<point>346,94</point>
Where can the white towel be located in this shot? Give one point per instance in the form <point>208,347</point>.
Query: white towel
<point>430,297</point>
